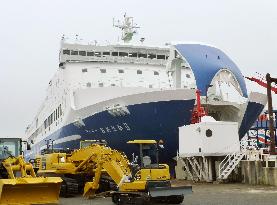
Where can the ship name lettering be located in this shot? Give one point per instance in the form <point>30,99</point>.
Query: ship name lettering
<point>102,130</point>
<point>119,127</point>
<point>126,126</point>
<point>113,128</point>
<point>108,129</point>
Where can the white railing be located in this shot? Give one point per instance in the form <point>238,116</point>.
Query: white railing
<point>118,59</point>
<point>230,162</point>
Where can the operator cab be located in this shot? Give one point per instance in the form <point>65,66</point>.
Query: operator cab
<point>10,147</point>
<point>148,153</point>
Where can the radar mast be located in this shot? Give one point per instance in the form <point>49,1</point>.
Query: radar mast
<point>128,28</point>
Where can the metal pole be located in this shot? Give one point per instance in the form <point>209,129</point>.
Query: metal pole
<point>270,113</point>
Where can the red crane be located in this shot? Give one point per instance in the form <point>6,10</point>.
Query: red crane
<point>198,111</point>
<point>262,83</point>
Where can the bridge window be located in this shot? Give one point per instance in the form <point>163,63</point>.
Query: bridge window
<point>133,55</point>
<point>82,53</point>
<point>156,73</point>
<point>161,57</point>
<point>88,84</point>
<point>97,54</point>
<point>90,53</point>
<point>188,75</point>
<point>123,54</point>
<point>142,55</point>
<point>74,52</point>
<point>106,53</point>
<point>114,53</point>
<point>101,84</point>
<point>151,55</point>
<point>84,70</point>
<point>66,52</point>
<point>139,72</point>
<point>103,70</point>
<point>120,71</point>
<point>112,84</point>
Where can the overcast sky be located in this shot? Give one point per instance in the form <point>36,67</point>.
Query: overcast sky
<point>30,33</point>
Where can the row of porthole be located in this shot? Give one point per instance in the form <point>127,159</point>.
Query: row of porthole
<point>113,85</point>
<point>102,70</point>
<point>85,70</point>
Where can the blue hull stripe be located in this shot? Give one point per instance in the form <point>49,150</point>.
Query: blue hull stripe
<point>156,120</point>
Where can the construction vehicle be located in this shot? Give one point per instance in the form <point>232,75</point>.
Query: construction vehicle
<point>19,183</point>
<point>136,184</point>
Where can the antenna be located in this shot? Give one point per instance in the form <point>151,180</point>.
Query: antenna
<point>142,40</point>
<point>128,28</point>
<point>63,39</point>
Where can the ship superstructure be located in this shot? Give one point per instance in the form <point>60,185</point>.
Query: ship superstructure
<point>122,92</point>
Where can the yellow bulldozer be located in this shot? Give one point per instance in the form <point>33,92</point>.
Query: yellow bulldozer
<point>18,181</point>
<point>148,182</point>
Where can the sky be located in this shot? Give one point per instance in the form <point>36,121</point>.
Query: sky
<point>30,33</point>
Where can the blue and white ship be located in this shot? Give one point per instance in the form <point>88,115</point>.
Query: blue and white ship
<point>130,91</point>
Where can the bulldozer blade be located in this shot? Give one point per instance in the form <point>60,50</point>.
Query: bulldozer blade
<point>169,191</point>
<point>37,190</point>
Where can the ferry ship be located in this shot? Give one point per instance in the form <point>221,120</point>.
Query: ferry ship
<point>121,92</point>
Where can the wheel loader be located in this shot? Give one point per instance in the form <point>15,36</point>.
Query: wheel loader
<point>148,182</point>
<point>18,181</point>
